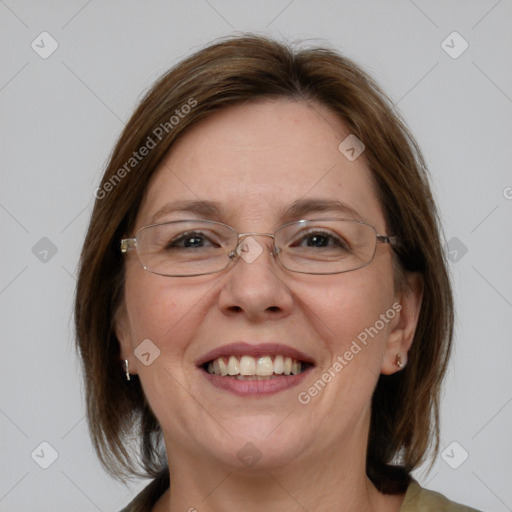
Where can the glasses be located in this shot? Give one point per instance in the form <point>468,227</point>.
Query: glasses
<point>198,247</point>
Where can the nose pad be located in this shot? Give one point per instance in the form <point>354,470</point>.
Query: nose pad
<point>249,249</point>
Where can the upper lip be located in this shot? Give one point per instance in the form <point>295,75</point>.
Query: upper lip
<point>254,350</point>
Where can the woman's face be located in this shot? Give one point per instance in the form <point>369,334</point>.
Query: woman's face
<point>253,162</point>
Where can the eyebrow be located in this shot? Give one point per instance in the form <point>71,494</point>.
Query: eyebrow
<point>205,209</point>
<point>303,207</point>
<point>213,210</point>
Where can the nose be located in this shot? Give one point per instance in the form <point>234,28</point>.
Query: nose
<point>255,286</point>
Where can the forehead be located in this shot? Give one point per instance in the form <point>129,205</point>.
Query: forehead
<point>254,160</point>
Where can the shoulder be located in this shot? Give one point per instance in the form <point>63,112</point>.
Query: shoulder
<point>146,499</point>
<point>418,499</point>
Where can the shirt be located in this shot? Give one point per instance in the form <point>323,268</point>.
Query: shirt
<point>417,499</point>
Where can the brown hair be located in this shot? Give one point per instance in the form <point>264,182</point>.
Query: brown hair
<point>405,406</point>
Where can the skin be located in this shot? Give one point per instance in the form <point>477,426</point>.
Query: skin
<point>255,159</point>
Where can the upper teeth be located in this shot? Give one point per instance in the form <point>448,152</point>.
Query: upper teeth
<point>258,366</point>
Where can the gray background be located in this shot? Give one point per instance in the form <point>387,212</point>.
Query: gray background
<point>61,116</point>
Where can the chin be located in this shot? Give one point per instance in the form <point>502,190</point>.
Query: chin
<point>259,442</point>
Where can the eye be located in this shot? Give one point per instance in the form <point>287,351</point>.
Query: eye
<point>190,240</point>
<point>320,239</point>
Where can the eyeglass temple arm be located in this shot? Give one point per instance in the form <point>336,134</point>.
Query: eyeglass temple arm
<point>128,243</point>
<point>384,239</point>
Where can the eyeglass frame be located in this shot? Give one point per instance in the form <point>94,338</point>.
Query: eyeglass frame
<point>131,243</point>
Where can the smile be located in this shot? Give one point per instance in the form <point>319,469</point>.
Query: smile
<point>246,369</point>
<point>255,368</point>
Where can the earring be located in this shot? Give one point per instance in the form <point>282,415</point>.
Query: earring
<point>126,371</point>
<point>398,361</point>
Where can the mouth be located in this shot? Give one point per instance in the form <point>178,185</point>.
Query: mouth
<point>255,368</point>
<point>263,369</point>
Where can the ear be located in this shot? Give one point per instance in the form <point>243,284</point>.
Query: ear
<point>408,306</point>
<point>122,330</point>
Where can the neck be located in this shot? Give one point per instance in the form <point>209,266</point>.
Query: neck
<point>333,480</point>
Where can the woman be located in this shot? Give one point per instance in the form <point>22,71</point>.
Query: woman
<point>263,309</point>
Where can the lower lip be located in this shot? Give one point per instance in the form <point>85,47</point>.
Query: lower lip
<point>256,387</point>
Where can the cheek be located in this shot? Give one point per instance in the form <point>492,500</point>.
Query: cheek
<point>160,310</point>
<point>348,308</point>
<point>164,313</point>
<point>346,315</point>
